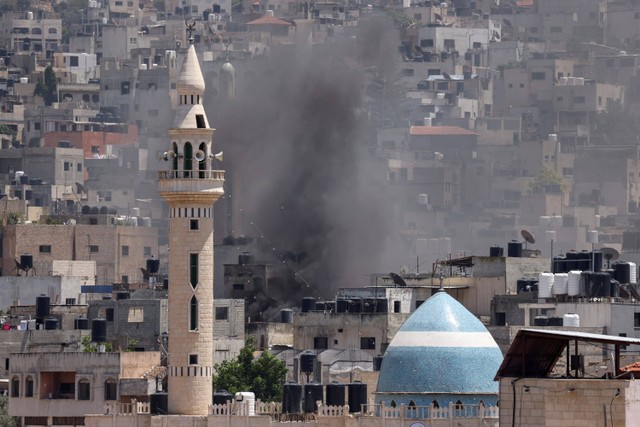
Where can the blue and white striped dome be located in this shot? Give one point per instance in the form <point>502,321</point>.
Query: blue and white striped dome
<point>442,353</point>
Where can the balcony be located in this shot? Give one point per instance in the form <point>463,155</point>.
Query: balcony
<point>211,175</point>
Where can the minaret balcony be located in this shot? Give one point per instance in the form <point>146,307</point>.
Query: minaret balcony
<point>197,181</point>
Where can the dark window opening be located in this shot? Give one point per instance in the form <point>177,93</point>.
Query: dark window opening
<point>222,313</point>
<point>396,306</point>
<point>28,389</point>
<point>193,359</point>
<point>108,314</point>
<point>110,390</point>
<point>320,343</point>
<point>200,124</point>
<point>15,387</point>
<point>193,224</point>
<point>367,343</point>
<point>125,250</point>
<point>193,270</point>
<point>193,314</point>
<point>45,249</point>
<point>84,390</point>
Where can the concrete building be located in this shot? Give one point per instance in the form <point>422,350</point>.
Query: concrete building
<point>190,188</point>
<point>24,33</point>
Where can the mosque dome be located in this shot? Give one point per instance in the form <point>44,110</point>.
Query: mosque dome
<point>442,353</point>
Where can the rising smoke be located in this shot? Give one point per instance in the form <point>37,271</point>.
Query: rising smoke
<point>299,146</point>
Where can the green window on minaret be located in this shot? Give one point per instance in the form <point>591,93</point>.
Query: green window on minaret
<point>193,270</point>
<point>193,314</point>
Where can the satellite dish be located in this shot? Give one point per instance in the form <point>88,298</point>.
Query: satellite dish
<point>404,270</point>
<point>200,155</point>
<point>397,279</point>
<point>528,237</point>
<point>609,254</point>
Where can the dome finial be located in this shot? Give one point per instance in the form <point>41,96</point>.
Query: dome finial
<point>190,24</point>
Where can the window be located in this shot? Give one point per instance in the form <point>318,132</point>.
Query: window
<point>146,251</point>
<point>367,343</point>
<point>109,314</point>
<point>28,387</point>
<point>193,224</point>
<point>70,301</point>
<point>449,44</point>
<point>94,249</point>
<point>222,313</point>
<point>36,125</point>
<point>579,99</point>
<point>426,43</point>
<point>193,359</point>
<point>125,250</point>
<point>193,270</point>
<point>136,315</point>
<point>15,387</point>
<point>238,286</point>
<point>636,320</point>
<point>125,88</point>
<point>67,166</point>
<point>320,343</point>
<point>110,390</point>
<point>79,167</point>
<point>124,279</point>
<point>193,314</point>
<point>73,61</point>
<point>95,149</point>
<point>84,390</point>
<point>200,123</point>
<point>53,31</point>
<point>396,306</point>
<point>538,75</point>
<point>45,249</point>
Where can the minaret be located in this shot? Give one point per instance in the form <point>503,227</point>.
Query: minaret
<point>190,187</point>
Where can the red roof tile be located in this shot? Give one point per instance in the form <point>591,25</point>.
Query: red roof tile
<point>439,130</point>
<point>634,367</point>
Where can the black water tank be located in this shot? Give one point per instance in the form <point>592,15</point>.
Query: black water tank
<point>153,265</point>
<point>560,264</point>
<point>51,323</point>
<point>81,323</point>
<point>159,403</point>
<point>245,258</point>
<point>597,261</point>
<point>307,360</point>
<point>382,305</point>
<point>355,305</point>
<point>377,363</point>
<point>43,305</point>
<point>221,397</point>
<point>330,306</point>
<point>320,306</point>
<point>120,295</point>
<point>99,330</point>
<point>584,261</point>
<point>312,393</point>
<point>540,321</point>
<point>622,272</point>
<point>291,398</point>
<point>555,321</point>
<point>615,289</point>
<point>342,305</point>
<point>26,261</point>
<point>335,394</point>
<point>308,304</point>
<point>369,305</point>
<point>357,392</point>
<point>24,179</point>
<point>600,285</point>
<point>496,251</point>
<point>514,249</point>
<point>286,315</point>
<point>572,263</point>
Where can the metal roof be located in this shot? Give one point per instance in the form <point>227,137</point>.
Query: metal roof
<point>534,352</point>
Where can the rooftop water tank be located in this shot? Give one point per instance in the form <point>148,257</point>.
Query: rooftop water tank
<point>313,393</point>
<point>560,283</point>
<point>248,400</point>
<point>291,398</point>
<point>545,285</point>
<point>357,392</point>
<point>99,330</point>
<point>43,304</point>
<point>335,394</point>
<point>571,319</point>
<point>573,283</point>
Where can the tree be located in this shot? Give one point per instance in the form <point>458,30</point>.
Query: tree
<point>48,88</point>
<point>548,181</point>
<point>5,419</point>
<point>263,375</point>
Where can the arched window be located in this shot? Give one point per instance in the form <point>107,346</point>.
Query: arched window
<point>15,387</point>
<point>393,403</point>
<point>84,390</point>
<point>110,390</point>
<point>193,314</point>
<point>36,30</point>
<point>175,157</point>
<point>53,31</point>
<point>435,404</point>
<point>86,97</point>
<point>202,165</point>
<point>28,387</point>
<point>412,404</point>
<point>95,98</point>
<point>188,159</point>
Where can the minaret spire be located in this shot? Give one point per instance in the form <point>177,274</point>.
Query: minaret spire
<point>190,187</point>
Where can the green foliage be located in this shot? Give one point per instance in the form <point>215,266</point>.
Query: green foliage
<point>48,88</point>
<point>264,375</point>
<point>16,218</point>
<point>7,130</point>
<point>547,178</point>
<point>615,126</point>
<point>131,344</point>
<point>89,347</point>
<point>5,419</point>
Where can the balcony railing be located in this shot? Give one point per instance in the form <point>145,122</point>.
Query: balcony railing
<point>215,175</point>
<point>133,408</point>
